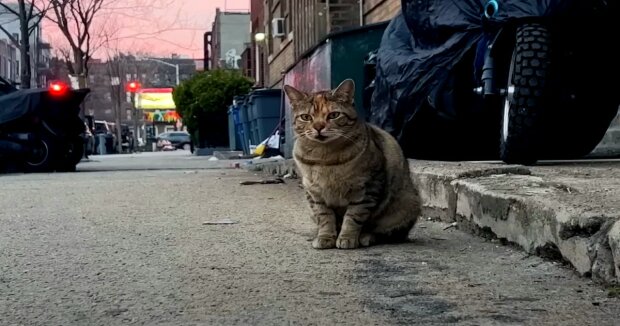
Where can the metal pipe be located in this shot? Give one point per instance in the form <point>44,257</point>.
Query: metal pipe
<point>361,12</point>
<point>258,67</point>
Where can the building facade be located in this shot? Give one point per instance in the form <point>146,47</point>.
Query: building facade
<point>256,53</point>
<point>9,64</point>
<point>39,50</point>
<point>229,36</point>
<point>305,23</point>
<point>105,98</point>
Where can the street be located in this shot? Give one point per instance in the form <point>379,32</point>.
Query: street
<point>174,239</point>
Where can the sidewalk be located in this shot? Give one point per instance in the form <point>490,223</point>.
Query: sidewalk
<point>567,211</point>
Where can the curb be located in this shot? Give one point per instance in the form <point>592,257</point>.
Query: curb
<point>513,205</point>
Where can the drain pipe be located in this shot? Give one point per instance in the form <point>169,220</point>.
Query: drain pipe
<point>361,12</point>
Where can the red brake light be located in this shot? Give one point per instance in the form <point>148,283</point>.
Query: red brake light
<point>57,88</point>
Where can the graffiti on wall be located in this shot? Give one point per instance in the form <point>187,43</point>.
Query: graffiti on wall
<point>231,59</point>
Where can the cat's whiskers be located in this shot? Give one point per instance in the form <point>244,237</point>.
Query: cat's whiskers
<point>345,136</point>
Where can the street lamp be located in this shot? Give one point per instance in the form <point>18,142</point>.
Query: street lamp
<point>258,38</point>
<point>176,66</point>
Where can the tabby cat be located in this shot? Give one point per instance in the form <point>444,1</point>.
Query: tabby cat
<point>355,175</point>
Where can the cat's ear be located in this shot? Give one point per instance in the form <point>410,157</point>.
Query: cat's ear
<point>294,94</point>
<point>347,89</point>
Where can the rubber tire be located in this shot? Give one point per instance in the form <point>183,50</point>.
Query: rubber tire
<point>529,74</point>
<point>48,163</point>
<point>73,156</point>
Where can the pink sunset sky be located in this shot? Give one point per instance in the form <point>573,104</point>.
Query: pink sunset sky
<point>170,26</point>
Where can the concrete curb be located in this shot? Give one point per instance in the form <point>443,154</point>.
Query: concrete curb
<point>514,205</point>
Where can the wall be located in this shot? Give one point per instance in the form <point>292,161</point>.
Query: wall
<point>380,10</point>
<point>230,34</point>
<point>257,17</point>
<point>11,24</point>
<point>9,69</point>
<point>280,50</point>
<point>343,14</point>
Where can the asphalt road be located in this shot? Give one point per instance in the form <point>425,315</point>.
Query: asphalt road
<point>124,242</point>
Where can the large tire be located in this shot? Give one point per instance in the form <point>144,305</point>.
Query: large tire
<point>73,156</point>
<point>527,96</point>
<point>42,157</point>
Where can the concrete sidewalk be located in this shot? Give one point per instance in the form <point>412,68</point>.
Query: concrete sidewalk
<point>561,210</point>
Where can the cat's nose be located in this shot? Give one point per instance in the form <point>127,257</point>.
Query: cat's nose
<point>319,126</point>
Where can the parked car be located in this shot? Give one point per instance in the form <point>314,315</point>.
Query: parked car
<point>178,139</point>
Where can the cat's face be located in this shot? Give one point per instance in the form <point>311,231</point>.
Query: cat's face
<point>326,116</point>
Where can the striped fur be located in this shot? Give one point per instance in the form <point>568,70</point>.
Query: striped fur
<point>355,175</point>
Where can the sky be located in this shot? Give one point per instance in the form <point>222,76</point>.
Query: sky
<point>166,27</point>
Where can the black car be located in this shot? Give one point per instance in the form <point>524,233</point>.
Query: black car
<point>178,139</point>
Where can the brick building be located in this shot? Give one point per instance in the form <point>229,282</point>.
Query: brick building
<point>305,23</point>
<point>380,10</point>
<point>9,61</point>
<point>257,59</point>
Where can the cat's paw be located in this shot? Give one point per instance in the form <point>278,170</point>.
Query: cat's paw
<point>367,239</point>
<point>324,243</point>
<point>347,242</point>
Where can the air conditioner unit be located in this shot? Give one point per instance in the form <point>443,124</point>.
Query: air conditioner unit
<point>277,27</point>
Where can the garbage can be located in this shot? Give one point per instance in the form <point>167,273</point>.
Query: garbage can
<point>235,126</point>
<point>264,113</point>
<point>244,130</point>
<point>232,138</point>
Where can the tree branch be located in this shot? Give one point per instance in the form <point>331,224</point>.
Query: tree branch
<point>11,37</point>
<point>9,9</point>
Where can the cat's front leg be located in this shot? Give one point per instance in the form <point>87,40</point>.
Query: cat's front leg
<point>325,219</point>
<point>354,219</point>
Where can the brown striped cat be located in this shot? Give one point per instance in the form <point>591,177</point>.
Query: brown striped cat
<point>355,175</point>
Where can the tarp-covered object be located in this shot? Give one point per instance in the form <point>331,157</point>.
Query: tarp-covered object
<point>19,103</point>
<point>422,47</point>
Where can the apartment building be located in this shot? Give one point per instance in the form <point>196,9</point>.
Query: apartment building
<point>40,53</point>
<point>295,27</point>
<point>9,68</point>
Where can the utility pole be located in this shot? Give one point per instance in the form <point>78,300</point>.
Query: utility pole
<point>134,87</point>
<point>115,82</point>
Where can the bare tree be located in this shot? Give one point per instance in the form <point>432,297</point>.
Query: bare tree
<point>29,15</point>
<point>74,19</point>
<point>115,71</point>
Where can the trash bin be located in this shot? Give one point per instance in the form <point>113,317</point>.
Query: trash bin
<point>235,127</point>
<point>244,130</point>
<point>232,138</point>
<point>264,113</point>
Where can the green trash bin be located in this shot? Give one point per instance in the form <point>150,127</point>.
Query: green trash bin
<point>264,113</point>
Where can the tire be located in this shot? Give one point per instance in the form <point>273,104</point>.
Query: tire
<point>527,96</point>
<point>43,155</point>
<point>187,147</point>
<point>73,156</point>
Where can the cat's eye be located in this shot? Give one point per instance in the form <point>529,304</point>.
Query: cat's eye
<point>305,117</point>
<point>333,115</point>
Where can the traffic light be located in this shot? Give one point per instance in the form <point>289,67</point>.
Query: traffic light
<point>133,86</point>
